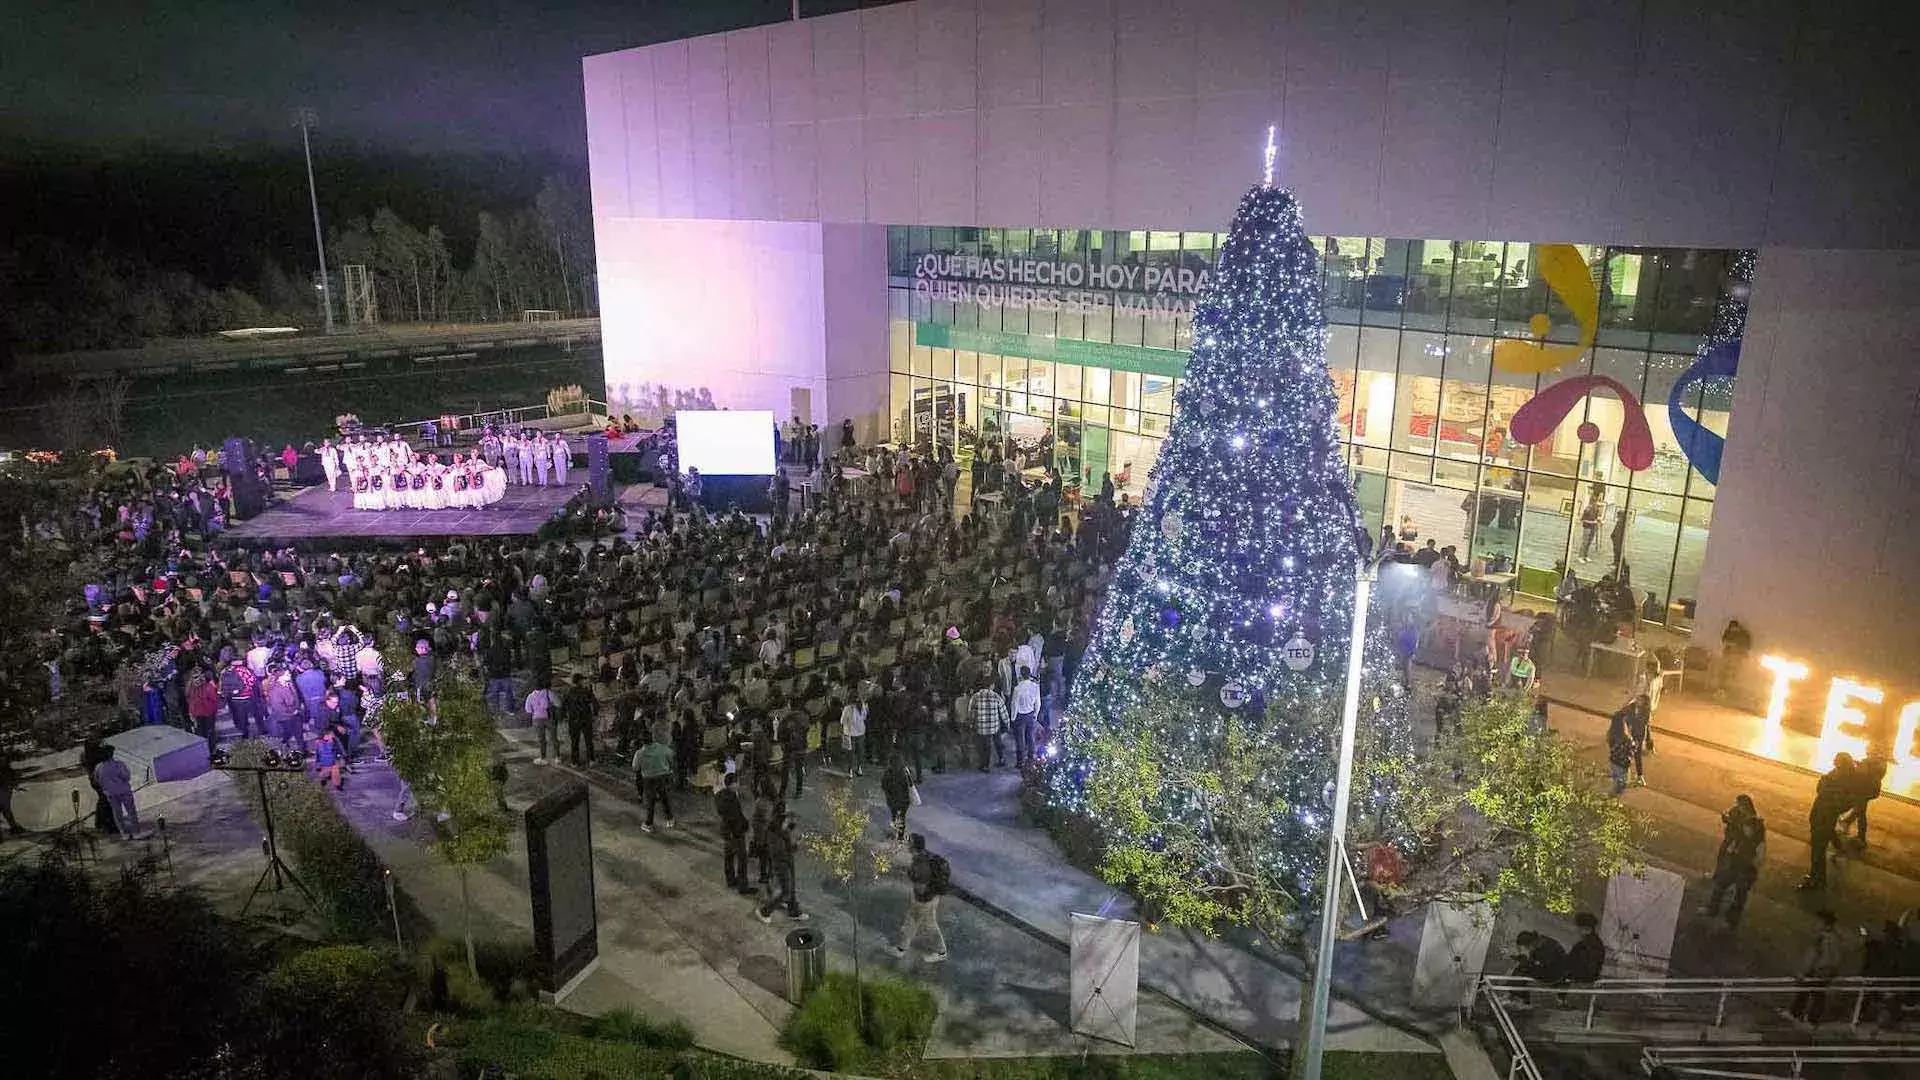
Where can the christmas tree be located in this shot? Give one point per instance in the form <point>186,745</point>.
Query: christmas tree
<point>1221,652</point>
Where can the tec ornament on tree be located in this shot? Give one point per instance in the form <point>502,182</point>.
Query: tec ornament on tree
<point>1249,542</point>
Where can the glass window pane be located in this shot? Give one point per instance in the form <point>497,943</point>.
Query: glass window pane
<point>1129,327</point>
<point>1429,283</point>
<point>1098,323</point>
<point>1159,331</point>
<point>1606,412</point>
<point>1460,434</point>
<point>1546,529</point>
<point>1345,266</point>
<point>1601,507</point>
<point>1670,468</point>
<point>1692,550</point>
<point>943,364</point>
<point>1417,404</point>
<point>1427,513</point>
<point>1067,384</point>
<point>1386,282</point>
<point>966,367</point>
<point>1653,531</point>
<point>902,414</point>
<point>1343,351</point>
<point>1628,283</point>
<point>1126,401</point>
<point>1504,398</point>
<point>1476,286</point>
<point>899,342</point>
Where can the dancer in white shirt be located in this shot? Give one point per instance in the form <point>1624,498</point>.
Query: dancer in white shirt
<point>542,458</point>
<point>330,463</point>
<point>562,458</point>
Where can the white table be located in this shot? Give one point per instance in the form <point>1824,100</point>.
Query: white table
<point>1626,647</point>
<point>854,474</point>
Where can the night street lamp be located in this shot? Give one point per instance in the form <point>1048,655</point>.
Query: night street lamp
<point>302,118</point>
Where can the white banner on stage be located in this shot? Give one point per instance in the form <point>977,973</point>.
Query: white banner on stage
<point>1104,991</point>
<point>1638,922</point>
<point>1453,953</point>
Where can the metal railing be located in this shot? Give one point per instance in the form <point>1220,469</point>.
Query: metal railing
<point>1696,995</point>
<point>1781,1062</point>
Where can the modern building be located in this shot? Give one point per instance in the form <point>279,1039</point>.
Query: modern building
<point>965,220</point>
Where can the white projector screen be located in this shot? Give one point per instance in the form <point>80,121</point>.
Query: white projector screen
<point>726,443</point>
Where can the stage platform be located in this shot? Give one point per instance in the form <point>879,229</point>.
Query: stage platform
<point>319,514</point>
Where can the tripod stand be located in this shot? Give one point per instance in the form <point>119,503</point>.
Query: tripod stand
<point>270,845</point>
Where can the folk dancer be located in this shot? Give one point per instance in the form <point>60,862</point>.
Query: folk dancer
<point>562,458</point>
<point>542,457</point>
<point>330,463</point>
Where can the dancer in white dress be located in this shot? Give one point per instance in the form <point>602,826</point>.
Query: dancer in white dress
<point>562,457</point>
<point>435,495</point>
<point>358,481</point>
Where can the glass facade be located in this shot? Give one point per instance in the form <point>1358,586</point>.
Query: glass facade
<point>1066,346</point>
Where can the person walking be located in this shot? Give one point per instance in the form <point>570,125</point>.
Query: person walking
<point>733,833</point>
<point>116,786</point>
<point>653,776</point>
<point>1818,968</point>
<point>1026,716</point>
<point>896,784</point>
<point>1831,797</point>
<point>931,877</point>
<point>540,704</point>
<point>237,684</point>
<point>783,845</point>
<point>283,710</point>
<point>1743,849</point>
<point>1619,754</point>
<point>989,720</point>
<point>576,710</point>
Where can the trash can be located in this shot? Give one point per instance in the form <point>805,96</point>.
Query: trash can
<point>806,963</point>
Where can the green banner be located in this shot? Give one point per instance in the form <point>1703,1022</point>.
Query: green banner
<point>1171,363</point>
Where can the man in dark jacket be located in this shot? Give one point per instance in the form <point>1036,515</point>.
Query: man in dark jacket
<point>237,685</point>
<point>733,833</point>
<point>1743,848</point>
<point>1588,957</point>
<point>497,659</point>
<point>1831,797</point>
<point>792,735</point>
<point>782,846</point>
<point>576,710</point>
<point>896,783</point>
<point>1542,959</point>
<point>929,876</point>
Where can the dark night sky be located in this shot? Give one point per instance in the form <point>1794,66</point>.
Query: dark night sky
<point>467,75</point>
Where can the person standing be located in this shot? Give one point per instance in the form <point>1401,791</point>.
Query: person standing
<point>1830,798</point>
<point>326,758</point>
<point>653,775</point>
<point>1632,721</point>
<point>496,659</point>
<point>1743,848</point>
<point>989,720</point>
<point>783,844</point>
<point>283,710</point>
<point>1864,788</point>
<point>853,730</point>
<point>1818,968</point>
<point>526,460</point>
<point>562,456</point>
<point>9,781</point>
<point>896,784</point>
<point>1590,525</point>
<point>1026,716</point>
<point>542,458</point>
<point>931,877</point>
<point>792,735</point>
<point>540,704</point>
<point>1619,753</point>
<point>733,833</point>
<point>203,705</point>
<point>1619,537</point>
<point>330,462</point>
<point>576,710</point>
<point>116,786</point>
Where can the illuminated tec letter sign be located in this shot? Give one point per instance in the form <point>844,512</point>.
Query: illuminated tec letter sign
<point>1844,729</point>
<point>1904,771</point>
<point>1773,735</point>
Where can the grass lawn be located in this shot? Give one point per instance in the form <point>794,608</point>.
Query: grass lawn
<point>1234,1066</point>
<point>531,1042</point>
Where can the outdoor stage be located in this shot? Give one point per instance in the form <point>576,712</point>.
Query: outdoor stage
<point>319,514</point>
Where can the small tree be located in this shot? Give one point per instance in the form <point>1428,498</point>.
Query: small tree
<point>840,845</point>
<point>443,748</point>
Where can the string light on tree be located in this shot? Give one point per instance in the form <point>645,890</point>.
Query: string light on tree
<point>1243,567</point>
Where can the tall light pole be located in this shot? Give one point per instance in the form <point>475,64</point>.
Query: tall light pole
<point>1316,1039</point>
<point>304,116</point>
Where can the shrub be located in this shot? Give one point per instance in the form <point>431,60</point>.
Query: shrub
<point>507,971</point>
<point>339,1009</point>
<point>625,1025</point>
<point>825,1033</point>
<point>328,853</point>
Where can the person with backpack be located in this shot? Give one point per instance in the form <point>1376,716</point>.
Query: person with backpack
<point>1743,848</point>
<point>653,775</point>
<point>783,844</point>
<point>931,876</point>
